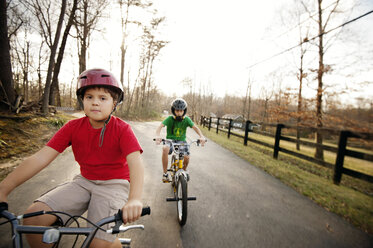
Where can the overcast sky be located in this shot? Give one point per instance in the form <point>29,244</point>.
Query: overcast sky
<point>214,42</point>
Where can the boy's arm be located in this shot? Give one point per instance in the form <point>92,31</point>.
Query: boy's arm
<point>27,169</point>
<point>132,209</point>
<point>158,139</point>
<point>201,137</point>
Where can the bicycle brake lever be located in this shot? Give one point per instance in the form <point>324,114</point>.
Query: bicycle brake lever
<point>125,228</point>
<point>118,222</point>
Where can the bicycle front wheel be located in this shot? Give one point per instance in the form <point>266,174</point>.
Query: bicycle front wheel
<point>182,200</point>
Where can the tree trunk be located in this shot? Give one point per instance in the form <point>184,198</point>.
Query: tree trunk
<point>299,100</point>
<point>45,109</point>
<point>319,139</point>
<point>7,93</point>
<point>54,88</point>
<point>123,49</point>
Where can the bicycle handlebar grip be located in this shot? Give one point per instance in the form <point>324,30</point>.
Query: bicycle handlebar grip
<point>3,206</point>
<point>145,211</point>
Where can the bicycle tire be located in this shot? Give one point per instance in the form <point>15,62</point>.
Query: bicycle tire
<point>182,200</point>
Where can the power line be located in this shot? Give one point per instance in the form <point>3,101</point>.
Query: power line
<point>310,17</point>
<point>308,40</point>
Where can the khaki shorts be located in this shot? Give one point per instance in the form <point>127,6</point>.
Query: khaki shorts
<point>102,198</point>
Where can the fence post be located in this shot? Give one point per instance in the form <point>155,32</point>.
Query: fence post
<point>277,140</point>
<point>217,125</point>
<point>210,123</point>
<point>229,128</point>
<point>247,126</point>
<point>338,168</point>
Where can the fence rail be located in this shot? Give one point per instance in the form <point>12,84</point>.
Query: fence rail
<point>341,151</point>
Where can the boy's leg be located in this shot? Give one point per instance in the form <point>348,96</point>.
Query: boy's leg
<point>35,240</point>
<point>69,197</point>
<point>186,157</point>
<point>100,243</point>
<point>166,150</point>
<point>107,197</point>
<point>186,162</point>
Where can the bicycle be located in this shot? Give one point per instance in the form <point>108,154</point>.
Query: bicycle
<point>179,178</point>
<point>53,234</point>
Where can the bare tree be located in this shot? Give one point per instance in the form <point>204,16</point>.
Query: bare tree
<point>303,37</point>
<point>88,14</point>
<point>190,97</point>
<point>267,93</point>
<point>124,24</point>
<point>23,59</point>
<point>54,88</point>
<point>247,100</point>
<point>43,10</point>
<point>8,96</point>
<point>324,16</point>
<point>151,50</point>
<point>322,69</point>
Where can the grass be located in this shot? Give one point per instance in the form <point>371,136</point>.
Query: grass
<point>359,165</point>
<point>352,199</point>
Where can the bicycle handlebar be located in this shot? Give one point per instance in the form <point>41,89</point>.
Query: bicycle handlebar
<point>4,207</point>
<point>89,232</point>
<point>198,141</point>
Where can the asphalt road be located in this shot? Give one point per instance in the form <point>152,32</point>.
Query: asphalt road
<point>237,204</point>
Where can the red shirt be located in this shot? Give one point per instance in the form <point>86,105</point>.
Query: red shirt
<point>98,163</point>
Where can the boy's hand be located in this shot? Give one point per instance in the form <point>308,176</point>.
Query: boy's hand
<point>202,141</point>
<point>158,140</point>
<point>131,211</point>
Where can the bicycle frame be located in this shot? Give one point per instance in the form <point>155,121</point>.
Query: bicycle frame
<point>177,164</point>
<point>52,234</point>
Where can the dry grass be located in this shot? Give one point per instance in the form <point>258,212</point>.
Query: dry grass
<point>20,138</point>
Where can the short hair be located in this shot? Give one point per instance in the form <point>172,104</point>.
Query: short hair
<point>109,89</point>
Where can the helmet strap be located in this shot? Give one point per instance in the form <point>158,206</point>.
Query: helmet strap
<point>102,134</point>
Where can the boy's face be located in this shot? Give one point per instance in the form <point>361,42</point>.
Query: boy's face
<point>98,104</point>
<point>179,112</point>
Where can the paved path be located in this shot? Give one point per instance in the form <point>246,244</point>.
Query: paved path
<point>237,204</point>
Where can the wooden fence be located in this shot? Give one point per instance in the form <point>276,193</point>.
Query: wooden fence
<point>225,125</point>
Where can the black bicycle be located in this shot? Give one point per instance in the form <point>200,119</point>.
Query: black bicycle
<point>53,234</point>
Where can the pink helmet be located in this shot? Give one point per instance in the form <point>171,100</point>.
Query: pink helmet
<point>98,77</point>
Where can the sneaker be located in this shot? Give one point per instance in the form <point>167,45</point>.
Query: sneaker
<point>166,178</point>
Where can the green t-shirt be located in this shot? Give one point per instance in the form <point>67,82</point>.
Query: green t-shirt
<point>176,130</point>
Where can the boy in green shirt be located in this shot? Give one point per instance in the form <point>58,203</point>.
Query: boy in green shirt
<point>176,130</point>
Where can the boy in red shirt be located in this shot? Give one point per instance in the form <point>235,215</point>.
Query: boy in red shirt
<point>108,154</point>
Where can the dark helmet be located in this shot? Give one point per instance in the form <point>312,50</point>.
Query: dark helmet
<point>179,104</point>
<point>98,77</point>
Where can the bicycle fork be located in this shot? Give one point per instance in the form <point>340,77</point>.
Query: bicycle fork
<point>178,174</point>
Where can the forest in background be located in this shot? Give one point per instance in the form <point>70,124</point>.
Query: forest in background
<point>40,39</point>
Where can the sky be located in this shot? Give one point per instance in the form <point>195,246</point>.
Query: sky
<point>215,43</point>
<point>211,42</point>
